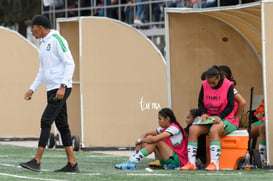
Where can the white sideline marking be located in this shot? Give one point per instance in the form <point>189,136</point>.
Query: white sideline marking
<point>98,156</point>
<point>91,174</point>
<point>148,174</point>
<point>54,156</point>
<point>18,166</point>
<point>220,174</point>
<point>30,178</point>
<point>8,165</point>
<point>64,156</point>
<point>4,156</point>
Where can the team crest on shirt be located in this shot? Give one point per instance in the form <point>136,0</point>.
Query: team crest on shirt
<point>48,47</point>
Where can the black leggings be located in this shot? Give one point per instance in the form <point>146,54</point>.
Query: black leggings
<point>55,111</point>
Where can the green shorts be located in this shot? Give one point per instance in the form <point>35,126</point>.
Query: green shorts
<point>173,160</point>
<point>228,126</point>
<point>257,123</point>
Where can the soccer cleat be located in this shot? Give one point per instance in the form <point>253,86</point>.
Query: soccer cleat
<point>127,165</point>
<point>31,165</point>
<point>155,163</point>
<point>188,166</point>
<point>69,168</point>
<point>212,167</point>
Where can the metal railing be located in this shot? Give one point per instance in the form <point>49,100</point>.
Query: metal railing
<point>124,10</point>
<point>151,23</point>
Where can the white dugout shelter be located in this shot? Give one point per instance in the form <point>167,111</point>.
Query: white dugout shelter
<point>238,36</point>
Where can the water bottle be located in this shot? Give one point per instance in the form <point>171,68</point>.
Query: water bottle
<point>247,159</point>
<point>168,166</point>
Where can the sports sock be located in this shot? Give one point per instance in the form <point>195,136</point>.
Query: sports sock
<point>133,155</point>
<point>192,151</point>
<point>262,151</point>
<point>137,157</point>
<point>215,152</point>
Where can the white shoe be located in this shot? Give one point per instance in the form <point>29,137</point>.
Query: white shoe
<point>138,22</point>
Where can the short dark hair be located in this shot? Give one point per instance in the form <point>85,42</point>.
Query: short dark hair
<point>212,72</point>
<point>203,76</point>
<point>195,112</point>
<point>41,20</point>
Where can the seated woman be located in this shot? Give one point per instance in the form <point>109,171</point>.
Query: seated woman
<point>191,115</point>
<point>168,142</point>
<point>216,98</point>
<point>240,102</point>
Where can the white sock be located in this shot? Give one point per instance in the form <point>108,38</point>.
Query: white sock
<point>192,151</point>
<point>136,157</point>
<point>133,154</point>
<point>215,152</point>
<point>262,151</point>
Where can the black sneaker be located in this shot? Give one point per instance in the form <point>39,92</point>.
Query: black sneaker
<point>69,168</point>
<point>31,165</point>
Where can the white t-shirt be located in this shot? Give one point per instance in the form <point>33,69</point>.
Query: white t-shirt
<point>176,135</point>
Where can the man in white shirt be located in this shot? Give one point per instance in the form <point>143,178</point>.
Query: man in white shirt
<point>56,71</point>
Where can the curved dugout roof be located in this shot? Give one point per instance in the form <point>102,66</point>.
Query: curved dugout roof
<point>19,65</point>
<point>245,19</point>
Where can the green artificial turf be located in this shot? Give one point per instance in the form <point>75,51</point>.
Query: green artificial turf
<point>100,167</point>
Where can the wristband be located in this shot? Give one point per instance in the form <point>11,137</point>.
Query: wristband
<point>139,140</point>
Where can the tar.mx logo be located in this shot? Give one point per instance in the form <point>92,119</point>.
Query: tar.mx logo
<point>147,105</point>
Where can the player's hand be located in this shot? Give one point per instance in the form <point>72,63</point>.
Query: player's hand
<point>60,93</point>
<point>28,95</point>
<point>217,120</point>
<point>204,117</point>
<point>138,148</point>
<point>260,115</point>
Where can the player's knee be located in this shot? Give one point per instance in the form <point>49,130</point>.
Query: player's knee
<point>45,124</point>
<point>66,136</point>
<point>194,131</point>
<point>45,132</point>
